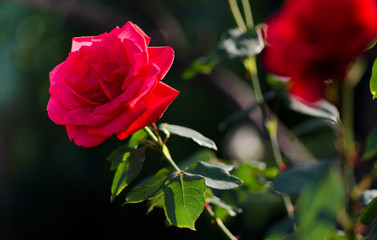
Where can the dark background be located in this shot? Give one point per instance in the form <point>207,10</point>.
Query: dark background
<point>52,189</point>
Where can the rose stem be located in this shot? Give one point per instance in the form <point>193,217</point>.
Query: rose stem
<point>237,15</point>
<point>348,141</point>
<point>251,67</point>
<point>164,150</point>
<point>248,14</point>
<point>220,223</point>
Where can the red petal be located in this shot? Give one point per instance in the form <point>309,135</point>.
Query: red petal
<point>56,112</point>
<point>80,136</point>
<point>163,57</point>
<point>119,123</point>
<point>308,90</point>
<point>78,42</point>
<point>157,102</point>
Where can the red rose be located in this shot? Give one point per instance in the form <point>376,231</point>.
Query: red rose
<point>110,84</point>
<point>312,41</point>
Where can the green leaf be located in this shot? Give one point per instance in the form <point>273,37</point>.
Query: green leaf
<point>238,44</point>
<point>369,212</point>
<point>255,177</point>
<point>373,80</point>
<point>293,179</point>
<point>371,145</point>
<point>203,155</point>
<point>216,175</point>
<point>137,138</point>
<point>318,206</point>
<point>188,133</point>
<point>118,156</point>
<point>158,201</point>
<point>203,65</point>
<point>149,188</point>
<point>127,170</point>
<point>321,109</point>
<point>184,199</point>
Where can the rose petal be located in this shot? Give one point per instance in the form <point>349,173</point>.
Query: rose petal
<point>150,80</point>
<point>63,93</point>
<point>140,31</point>
<point>85,116</point>
<point>139,87</point>
<point>119,123</point>
<point>56,112</point>
<point>94,56</point>
<point>157,102</point>
<point>78,42</point>
<point>80,136</point>
<point>116,51</point>
<point>132,32</point>
<point>163,57</point>
<point>54,73</point>
<point>68,97</point>
<point>65,96</point>
<point>308,90</point>
<point>136,60</point>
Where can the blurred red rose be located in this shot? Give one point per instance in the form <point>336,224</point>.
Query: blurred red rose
<point>110,84</point>
<point>312,41</point>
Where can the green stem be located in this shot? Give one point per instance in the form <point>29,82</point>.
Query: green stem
<point>151,135</point>
<point>270,125</point>
<point>237,15</point>
<point>248,14</point>
<point>164,150</point>
<point>347,112</point>
<point>220,224</point>
<point>347,138</point>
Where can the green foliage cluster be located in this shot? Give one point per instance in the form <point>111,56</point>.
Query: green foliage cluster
<point>182,193</point>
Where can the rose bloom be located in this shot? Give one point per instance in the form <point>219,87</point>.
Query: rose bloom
<point>312,41</point>
<point>110,84</point>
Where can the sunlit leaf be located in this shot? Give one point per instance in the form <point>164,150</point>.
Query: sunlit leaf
<point>188,133</point>
<point>137,138</point>
<point>118,156</point>
<point>373,80</point>
<point>216,175</point>
<point>184,199</point>
<point>127,170</point>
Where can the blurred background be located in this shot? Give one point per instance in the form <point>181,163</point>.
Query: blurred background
<point>51,188</point>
